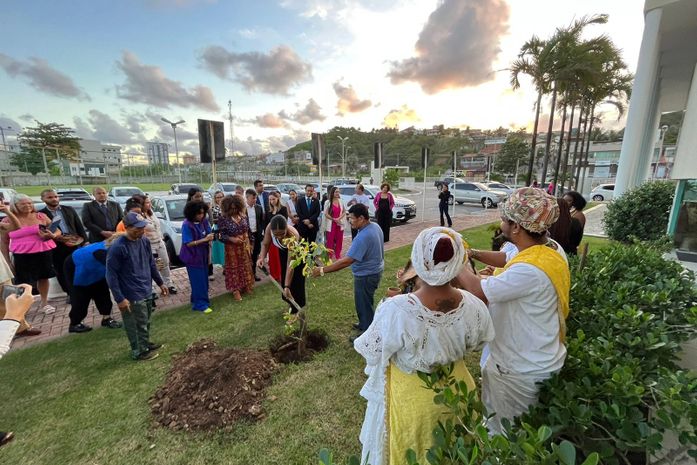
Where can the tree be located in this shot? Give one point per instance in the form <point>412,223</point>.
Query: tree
<point>43,144</point>
<point>514,154</point>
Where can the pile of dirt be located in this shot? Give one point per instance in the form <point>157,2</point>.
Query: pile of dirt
<point>284,349</point>
<point>210,388</point>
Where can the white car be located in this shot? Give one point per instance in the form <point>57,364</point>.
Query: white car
<point>602,192</point>
<point>228,188</point>
<point>170,210</point>
<point>404,208</point>
<point>122,193</point>
<point>274,188</point>
<point>6,194</point>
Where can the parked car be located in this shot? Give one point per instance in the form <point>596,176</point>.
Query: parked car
<point>340,181</point>
<point>6,194</point>
<point>602,192</point>
<point>404,208</point>
<point>447,180</point>
<point>498,186</point>
<point>170,210</point>
<point>183,189</point>
<point>475,192</point>
<point>286,187</point>
<point>76,204</point>
<point>228,188</point>
<point>274,188</point>
<point>74,193</point>
<point>122,193</point>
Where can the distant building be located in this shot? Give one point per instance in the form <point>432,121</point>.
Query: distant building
<point>96,159</point>
<point>188,159</point>
<point>276,158</point>
<point>158,153</point>
<point>302,156</point>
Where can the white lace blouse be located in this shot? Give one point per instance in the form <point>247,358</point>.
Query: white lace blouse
<point>414,338</point>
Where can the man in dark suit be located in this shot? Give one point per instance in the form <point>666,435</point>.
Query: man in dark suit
<point>73,233</point>
<point>101,216</point>
<point>256,227</point>
<point>308,210</point>
<point>262,198</point>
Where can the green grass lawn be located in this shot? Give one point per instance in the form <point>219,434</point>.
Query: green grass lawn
<point>36,190</point>
<point>81,400</point>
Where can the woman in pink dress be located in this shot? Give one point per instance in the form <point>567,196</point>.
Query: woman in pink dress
<point>233,227</point>
<point>334,222</point>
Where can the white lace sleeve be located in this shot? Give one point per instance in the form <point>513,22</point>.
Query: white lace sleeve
<point>371,344</point>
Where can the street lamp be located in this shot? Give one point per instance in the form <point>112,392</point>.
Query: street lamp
<point>343,155</point>
<point>176,147</point>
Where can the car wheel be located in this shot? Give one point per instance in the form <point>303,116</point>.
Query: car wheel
<point>487,203</point>
<point>171,253</point>
<point>598,198</point>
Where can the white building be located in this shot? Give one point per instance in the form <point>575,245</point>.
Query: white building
<point>276,158</point>
<point>158,153</point>
<point>666,81</point>
<point>96,159</point>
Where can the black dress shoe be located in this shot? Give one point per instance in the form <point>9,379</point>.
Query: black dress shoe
<point>6,437</point>
<point>172,290</point>
<point>149,355</point>
<point>111,323</point>
<point>79,328</point>
<point>152,346</point>
<point>257,279</point>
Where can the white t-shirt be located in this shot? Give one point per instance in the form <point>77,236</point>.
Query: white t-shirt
<point>362,198</point>
<point>252,218</point>
<point>523,307</point>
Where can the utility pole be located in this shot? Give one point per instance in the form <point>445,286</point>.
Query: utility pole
<point>232,129</point>
<point>343,156</point>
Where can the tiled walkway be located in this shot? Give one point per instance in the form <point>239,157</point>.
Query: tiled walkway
<point>594,221</point>
<point>56,324</point>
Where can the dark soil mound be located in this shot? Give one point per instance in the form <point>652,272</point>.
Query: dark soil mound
<point>284,349</point>
<point>210,388</point>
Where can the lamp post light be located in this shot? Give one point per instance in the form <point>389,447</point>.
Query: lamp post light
<point>343,155</point>
<point>176,147</point>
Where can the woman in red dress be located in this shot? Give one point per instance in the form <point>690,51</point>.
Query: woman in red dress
<point>234,233</point>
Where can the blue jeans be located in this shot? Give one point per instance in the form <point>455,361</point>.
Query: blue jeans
<point>364,288</point>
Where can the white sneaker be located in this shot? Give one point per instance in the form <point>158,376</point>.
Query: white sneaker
<point>48,309</point>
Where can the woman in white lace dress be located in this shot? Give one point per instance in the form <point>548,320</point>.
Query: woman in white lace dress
<point>434,326</point>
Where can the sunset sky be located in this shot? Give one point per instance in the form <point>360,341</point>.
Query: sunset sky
<point>112,69</point>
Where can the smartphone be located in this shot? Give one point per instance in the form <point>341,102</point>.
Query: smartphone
<point>8,290</point>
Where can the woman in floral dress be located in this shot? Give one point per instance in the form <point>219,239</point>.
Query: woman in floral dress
<point>234,233</point>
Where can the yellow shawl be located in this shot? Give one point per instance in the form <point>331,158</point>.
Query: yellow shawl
<point>557,270</point>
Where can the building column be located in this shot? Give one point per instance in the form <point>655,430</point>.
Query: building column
<point>641,113</point>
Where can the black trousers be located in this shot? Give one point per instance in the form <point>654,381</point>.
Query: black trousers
<point>256,250</point>
<point>58,256</point>
<point>385,222</point>
<point>80,296</point>
<point>444,211</point>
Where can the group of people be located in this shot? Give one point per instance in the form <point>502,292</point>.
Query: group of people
<point>515,309</point>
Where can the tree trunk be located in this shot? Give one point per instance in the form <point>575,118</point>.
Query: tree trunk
<point>584,156</point>
<point>561,150</point>
<point>531,164</point>
<point>578,136</point>
<point>548,144</point>
<point>583,142</point>
<point>568,148</point>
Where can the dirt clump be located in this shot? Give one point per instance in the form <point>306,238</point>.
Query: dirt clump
<point>210,388</point>
<point>284,349</point>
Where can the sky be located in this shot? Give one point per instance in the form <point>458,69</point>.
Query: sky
<point>112,70</point>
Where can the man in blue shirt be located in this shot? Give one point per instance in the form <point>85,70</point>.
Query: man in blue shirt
<point>130,271</point>
<point>366,256</point>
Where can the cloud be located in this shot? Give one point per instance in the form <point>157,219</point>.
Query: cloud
<point>403,114</point>
<point>272,73</point>
<point>311,112</point>
<point>102,127</point>
<point>148,84</point>
<point>41,76</point>
<point>269,120</point>
<point>252,146</point>
<point>6,122</point>
<point>28,117</point>
<point>348,100</point>
<point>168,4</point>
<point>456,47</point>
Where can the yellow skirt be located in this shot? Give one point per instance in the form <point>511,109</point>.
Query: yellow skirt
<point>412,414</point>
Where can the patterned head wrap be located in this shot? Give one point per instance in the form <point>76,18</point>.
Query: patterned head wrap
<point>422,256</point>
<point>533,209</point>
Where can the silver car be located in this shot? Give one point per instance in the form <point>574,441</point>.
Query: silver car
<point>170,210</point>
<point>228,188</point>
<point>475,192</point>
<point>122,193</point>
<point>602,192</point>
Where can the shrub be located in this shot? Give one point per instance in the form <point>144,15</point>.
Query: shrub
<point>620,389</point>
<point>641,213</point>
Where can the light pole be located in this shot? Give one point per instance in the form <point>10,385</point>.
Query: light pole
<point>343,155</point>
<point>176,147</point>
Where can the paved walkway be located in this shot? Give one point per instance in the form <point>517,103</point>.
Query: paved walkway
<point>594,221</point>
<point>56,324</point>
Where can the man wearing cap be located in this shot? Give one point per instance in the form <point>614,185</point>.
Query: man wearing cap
<point>529,303</point>
<point>130,271</point>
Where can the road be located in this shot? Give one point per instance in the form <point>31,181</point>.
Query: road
<point>432,212</point>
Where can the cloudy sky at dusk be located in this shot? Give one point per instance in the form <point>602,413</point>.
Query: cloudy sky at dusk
<point>111,70</point>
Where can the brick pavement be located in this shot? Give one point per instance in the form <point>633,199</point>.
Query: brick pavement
<point>56,324</point>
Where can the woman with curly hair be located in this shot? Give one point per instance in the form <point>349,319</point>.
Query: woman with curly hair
<point>195,252</point>
<point>234,231</point>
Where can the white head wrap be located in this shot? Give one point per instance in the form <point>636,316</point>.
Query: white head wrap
<point>422,256</point>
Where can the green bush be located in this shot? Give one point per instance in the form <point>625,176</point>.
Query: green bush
<point>641,213</point>
<point>620,389</point>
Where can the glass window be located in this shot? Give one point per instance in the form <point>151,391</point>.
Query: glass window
<point>175,208</point>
